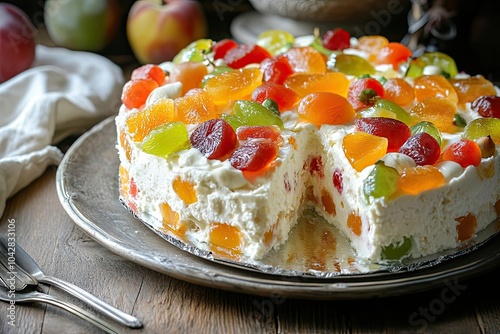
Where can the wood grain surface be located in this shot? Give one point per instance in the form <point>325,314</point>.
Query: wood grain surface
<point>167,305</point>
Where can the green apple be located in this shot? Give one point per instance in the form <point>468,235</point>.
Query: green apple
<point>82,24</point>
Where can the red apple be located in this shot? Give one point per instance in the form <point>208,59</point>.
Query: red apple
<point>17,41</point>
<point>157,31</point>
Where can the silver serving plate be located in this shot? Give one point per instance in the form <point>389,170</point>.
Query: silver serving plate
<point>87,185</point>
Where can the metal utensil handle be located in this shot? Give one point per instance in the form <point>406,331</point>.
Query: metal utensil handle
<point>93,301</point>
<point>41,297</point>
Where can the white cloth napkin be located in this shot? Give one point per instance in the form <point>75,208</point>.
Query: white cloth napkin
<point>64,92</point>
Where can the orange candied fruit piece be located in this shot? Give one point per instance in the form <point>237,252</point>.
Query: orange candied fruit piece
<point>140,124</point>
<point>190,74</point>
<point>307,83</point>
<point>225,239</point>
<point>354,223</point>
<point>136,92</point>
<point>233,85</point>
<point>124,180</point>
<point>327,201</point>
<point>466,227</point>
<point>125,144</point>
<point>306,59</point>
<point>372,45</point>
<point>414,180</point>
<point>434,86</point>
<point>185,190</point>
<point>399,91</point>
<point>325,108</point>
<point>393,53</point>
<point>195,107</point>
<point>171,222</point>
<point>363,149</point>
<point>469,89</point>
<point>149,71</point>
<point>441,112</point>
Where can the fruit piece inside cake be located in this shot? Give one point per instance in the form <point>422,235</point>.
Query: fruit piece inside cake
<point>224,147</point>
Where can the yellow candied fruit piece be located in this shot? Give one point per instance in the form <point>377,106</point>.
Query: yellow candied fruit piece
<point>307,83</point>
<point>125,145</point>
<point>434,86</point>
<point>225,240</point>
<point>354,223</point>
<point>414,180</point>
<point>466,227</point>
<point>185,190</point>
<point>140,124</point>
<point>469,89</point>
<point>195,107</point>
<point>363,149</point>
<point>233,85</point>
<point>124,181</point>
<point>440,112</point>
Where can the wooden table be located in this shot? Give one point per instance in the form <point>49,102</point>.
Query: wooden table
<point>167,305</point>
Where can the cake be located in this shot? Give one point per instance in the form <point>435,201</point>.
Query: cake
<point>224,147</point>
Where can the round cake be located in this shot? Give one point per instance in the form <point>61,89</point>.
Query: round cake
<point>224,147</point>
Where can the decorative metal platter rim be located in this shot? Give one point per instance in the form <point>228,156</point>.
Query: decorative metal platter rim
<point>88,193</point>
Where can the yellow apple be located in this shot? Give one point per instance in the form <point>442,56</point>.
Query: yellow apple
<point>158,30</point>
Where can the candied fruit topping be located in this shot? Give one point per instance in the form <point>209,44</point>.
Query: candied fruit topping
<point>363,149</point>
<point>253,113</point>
<point>149,71</point>
<point>190,74</point>
<point>166,139</point>
<point>483,127</point>
<point>276,69</point>
<point>306,59</point>
<point>284,97</point>
<point>469,89</point>
<point>444,62</point>
<point>141,123</point>
<point>395,131</point>
<point>222,47</point>
<point>487,106</point>
<point>466,227</point>
<point>185,190</point>
<point>271,132</point>
<point>350,64</point>
<point>364,92</point>
<point>441,112</point>
<point>275,41</point>
<point>372,45</point>
<point>233,85</point>
<point>307,83</point>
<point>428,128</point>
<point>422,148</point>
<point>414,180</point>
<point>393,53</point>
<point>136,92</point>
<point>434,86</point>
<point>245,54</point>
<point>194,52</point>
<point>382,182</point>
<point>336,39</point>
<point>399,91</point>
<point>225,239</point>
<point>325,108</point>
<point>254,155</point>
<point>195,107</point>
<point>214,138</point>
<point>465,152</point>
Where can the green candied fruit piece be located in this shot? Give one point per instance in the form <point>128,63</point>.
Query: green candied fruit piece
<point>482,127</point>
<point>401,114</point>
<point>216,71</point>
<point>234,121</point>
<point>381,182</point>
<point>397,251</point>
<point>194,52</point>
<point>254,113</point>
<point>166,139</point>
<point>317,44</point>
<point>428,128</point>
<point>439,59</point>
<point>349,64</point>
<point>276,41</point>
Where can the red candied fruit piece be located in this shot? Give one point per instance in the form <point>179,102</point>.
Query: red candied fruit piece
<point>254,155</point>
<point>149,71</point>
<point>422,148</point>
<point>316,167</point>
<point>363,92</point>
<point>222,47</point>
<point>276,69</point>
<point>394,53</point>
<point>214,138</point>
<point>245,54</point>
<point>336,39</point>
<point>136,92</point>
<point>338,180</point>
<point>487,106</point>
<point>465,152</point>
<point>284,97</point>
<point>259,131</point>
<point>394,130</point>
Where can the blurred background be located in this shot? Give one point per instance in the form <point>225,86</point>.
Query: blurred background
<point>473,41</point>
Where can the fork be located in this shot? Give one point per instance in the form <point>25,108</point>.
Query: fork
<point>9,296</point>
